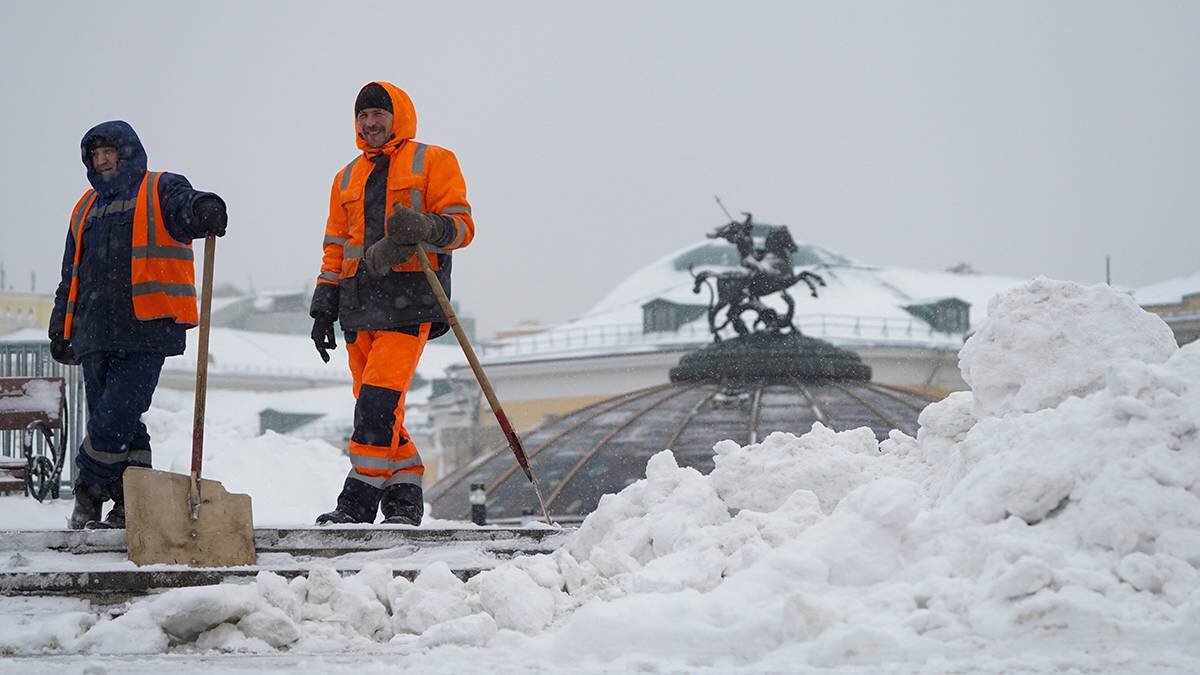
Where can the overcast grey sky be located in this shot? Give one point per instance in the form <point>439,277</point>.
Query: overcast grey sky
<point>1024,137</point>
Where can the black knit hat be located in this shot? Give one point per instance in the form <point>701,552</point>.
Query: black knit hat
<point>372,96</point>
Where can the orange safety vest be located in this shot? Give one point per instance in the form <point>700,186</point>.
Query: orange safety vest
<point>162,273</point>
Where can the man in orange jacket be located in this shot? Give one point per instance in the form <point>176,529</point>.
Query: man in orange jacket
<point>398,199</point>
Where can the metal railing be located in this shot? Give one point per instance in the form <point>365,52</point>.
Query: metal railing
<point>624,335</point>
<point>32,359</point>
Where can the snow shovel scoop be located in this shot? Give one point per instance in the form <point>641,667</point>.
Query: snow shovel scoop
<point>185,520</point>
<point>514,442</point>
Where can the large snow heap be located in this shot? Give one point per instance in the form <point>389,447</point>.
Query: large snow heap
<point>1058,506</point>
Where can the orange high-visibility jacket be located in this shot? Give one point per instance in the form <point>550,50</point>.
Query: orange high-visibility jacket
<point>162,273</point>
<point>422,177</point>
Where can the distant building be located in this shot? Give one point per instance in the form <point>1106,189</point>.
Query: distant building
<point>285,311</point>
<point>265,312</point>
<point>1177,301</point>
<point>24,309</point>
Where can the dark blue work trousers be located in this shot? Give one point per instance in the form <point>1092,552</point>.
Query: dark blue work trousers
<point>119,387</point>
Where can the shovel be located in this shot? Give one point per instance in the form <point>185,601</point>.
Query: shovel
<point>514,441</point>
<point>185,520</point>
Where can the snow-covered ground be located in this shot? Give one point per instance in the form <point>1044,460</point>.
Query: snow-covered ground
<point>1047,522</point>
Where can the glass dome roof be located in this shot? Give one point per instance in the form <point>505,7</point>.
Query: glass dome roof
<point>602,448</point>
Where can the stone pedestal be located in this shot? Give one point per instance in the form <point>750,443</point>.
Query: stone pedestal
<point>770,356</point>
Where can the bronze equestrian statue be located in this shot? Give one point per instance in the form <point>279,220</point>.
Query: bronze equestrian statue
<point>764,271</point>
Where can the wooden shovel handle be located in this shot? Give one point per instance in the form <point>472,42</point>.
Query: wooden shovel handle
<point>210,245</point>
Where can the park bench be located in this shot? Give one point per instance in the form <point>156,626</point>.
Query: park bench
<point>34,406</point>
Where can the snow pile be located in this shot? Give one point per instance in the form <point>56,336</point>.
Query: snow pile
<point>1051,340</point>
<point>1072,529</point>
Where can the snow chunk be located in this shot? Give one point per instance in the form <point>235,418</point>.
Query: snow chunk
<point>436,597</point>
<point>475,630</point>
<point>516,601</point>
<point>1049,340</point>
<point>136,632</point>
<point>828,463</point>
<point>271,625</point>
<point>185,613</point>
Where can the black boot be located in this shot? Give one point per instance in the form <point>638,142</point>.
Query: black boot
<point>115,520</point>
<point>88,500</point>
<point>402,505</point>
<point>358,503</point>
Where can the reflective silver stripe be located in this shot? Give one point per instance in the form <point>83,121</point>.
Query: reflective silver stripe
<point>457,208</point>
<point>113,207</point>
<point>434,249</point>
<point>172,252</point>
<point>368,462</point>
<point>70,306</point>
<point>371,462</point>
<point>460,229</point>
<point>140,456</point>
<point>352,252</point>
<point>329,276</point>
<point>84,207</point>
<point>121,207</point>
<point>340,241</point>
<point>176,290</point>
<point>152,235</point>
<point>419,158</point>
<point>403,478</point>
<point>103,457</point>
<point>347,172</point>
<point>414,198</point>
<point>373,481</point>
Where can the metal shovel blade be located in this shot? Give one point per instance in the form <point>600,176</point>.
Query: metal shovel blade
<point>159,528</point>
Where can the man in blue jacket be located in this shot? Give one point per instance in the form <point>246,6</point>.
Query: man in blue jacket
<point>126,298</point>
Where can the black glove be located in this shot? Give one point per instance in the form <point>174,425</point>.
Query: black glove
<point>323,337</point>
<point>385,254</point>
<point>210,217</point>
<point>407,226</point>
<point>60,350</point>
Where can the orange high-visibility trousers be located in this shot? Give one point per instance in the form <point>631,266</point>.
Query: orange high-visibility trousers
<point>382,364</point>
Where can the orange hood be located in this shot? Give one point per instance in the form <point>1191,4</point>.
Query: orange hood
<point>404,121</point>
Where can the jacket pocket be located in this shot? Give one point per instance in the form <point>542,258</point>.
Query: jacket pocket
<point>407,190</point>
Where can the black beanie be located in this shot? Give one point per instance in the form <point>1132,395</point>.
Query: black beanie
<point>373,96</point>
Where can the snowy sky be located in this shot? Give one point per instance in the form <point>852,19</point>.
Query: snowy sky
<point>1024,137</point>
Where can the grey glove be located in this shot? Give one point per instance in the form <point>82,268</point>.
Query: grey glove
<point>407,226</point>
<point>385,254</point>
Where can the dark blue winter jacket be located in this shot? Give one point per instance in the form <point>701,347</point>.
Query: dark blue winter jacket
<point>104,318</point>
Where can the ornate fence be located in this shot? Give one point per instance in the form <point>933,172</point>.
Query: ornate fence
<point>623,335</point>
